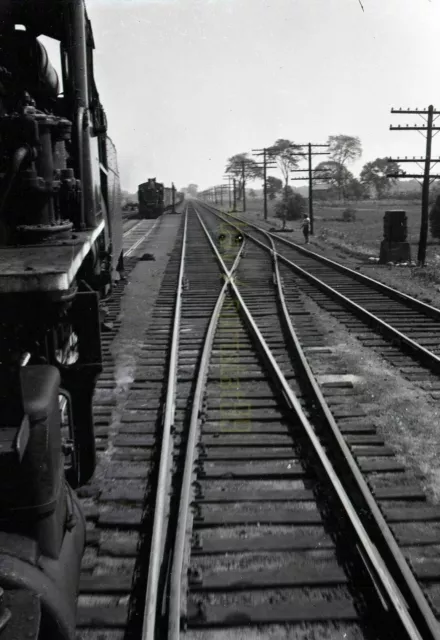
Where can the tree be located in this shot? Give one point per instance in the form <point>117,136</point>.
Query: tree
<point>252,193</point>
<point>343,150</point>
<point>234,166</point>
<point>192,190</point>
<point>274,186</point>
<point>434,219</point>
<point>290,208</point>
<point>374,175</point>
<point>285,152</point>
<point>336,175</point>
<point>355,190</point>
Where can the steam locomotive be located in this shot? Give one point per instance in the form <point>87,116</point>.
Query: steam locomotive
<point>60,249</point>
<point>154,199</point>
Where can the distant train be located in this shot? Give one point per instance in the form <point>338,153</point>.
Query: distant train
<point>154,199</point>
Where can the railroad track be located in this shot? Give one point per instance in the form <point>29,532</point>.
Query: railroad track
<point>128,223</point>
<point>136,234</point>
<point>239,498</point>
<point>404,330</point>
<point>118,488</point>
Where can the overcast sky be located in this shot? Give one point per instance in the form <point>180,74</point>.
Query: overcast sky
<point>188,83</point>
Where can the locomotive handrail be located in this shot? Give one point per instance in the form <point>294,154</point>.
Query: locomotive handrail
<point>164,476</point>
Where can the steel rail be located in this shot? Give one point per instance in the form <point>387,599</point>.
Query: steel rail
<point>174,616</point>
<point>381,287</point>
<point>412,591</point>
<point>418,351</point>
<point>399,296</point>
<point>164,477</point>
<point>423,612</point>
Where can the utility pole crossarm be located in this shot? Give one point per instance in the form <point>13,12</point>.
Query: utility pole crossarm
<point>318,153</point>
<point>412,159</point>
<point>299,170</point>
<point>412,175</point>
<point>408,128</point>
<point>415,111</point>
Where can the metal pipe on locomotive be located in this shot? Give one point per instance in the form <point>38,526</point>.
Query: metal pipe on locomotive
<point>60,247</point>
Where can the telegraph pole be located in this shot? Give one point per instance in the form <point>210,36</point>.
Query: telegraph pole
<point>310,190</point>
<point>428,114</point>
<point>234,194</point>
<point>238,169</point>
<point>265,182</point>
<point>222,188</point>
<point>243,182</point>
<point>267,164</point>
<point>229,189</point>
<point>425,189</point>
<point>309,154</point>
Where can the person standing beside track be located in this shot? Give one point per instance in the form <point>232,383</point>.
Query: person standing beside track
<point>305,226</point>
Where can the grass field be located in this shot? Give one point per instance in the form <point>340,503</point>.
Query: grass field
<point>365,234</point>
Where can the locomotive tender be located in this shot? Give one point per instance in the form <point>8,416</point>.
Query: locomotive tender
<point>154,199</point>
<point>60,248</point>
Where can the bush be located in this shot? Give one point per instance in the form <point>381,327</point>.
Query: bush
<point>349,214</point>
<point>291,208</point>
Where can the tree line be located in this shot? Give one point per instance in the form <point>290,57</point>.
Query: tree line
<point>343,150</point>
<point>334,172</point>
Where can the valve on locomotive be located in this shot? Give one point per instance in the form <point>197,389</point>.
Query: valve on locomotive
<point>39,194</point>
